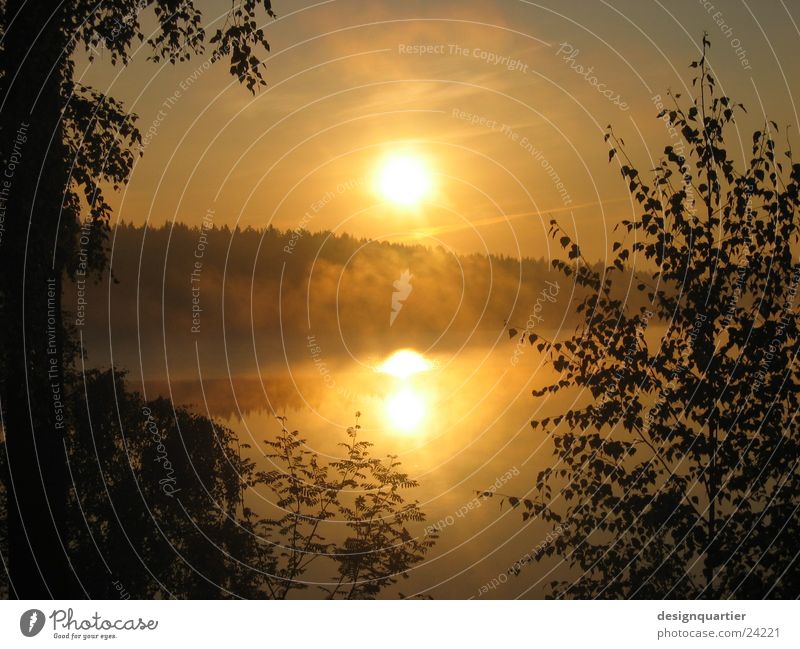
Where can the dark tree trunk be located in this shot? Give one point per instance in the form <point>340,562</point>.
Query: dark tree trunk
<point>712,481</point>
<point>33,390</point>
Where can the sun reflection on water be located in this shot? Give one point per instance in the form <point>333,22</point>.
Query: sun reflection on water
<point>404,363</point>
<point>406,406</point>
<point>406,409</point>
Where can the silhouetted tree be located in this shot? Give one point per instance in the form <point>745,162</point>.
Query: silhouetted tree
<point>358,494</point>
<point>163,506</point>
<point>680,477</point>
<point>3,523</point>
<point>156,508</point>
<point>59,142</point>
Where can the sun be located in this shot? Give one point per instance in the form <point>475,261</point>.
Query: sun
<point>405,363</point>
<point>405,409</point>
<point>404,179</point>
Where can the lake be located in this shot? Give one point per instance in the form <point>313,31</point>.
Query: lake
<point>458,420</point>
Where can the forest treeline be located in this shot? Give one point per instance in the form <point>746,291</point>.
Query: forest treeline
<point>236,291</point>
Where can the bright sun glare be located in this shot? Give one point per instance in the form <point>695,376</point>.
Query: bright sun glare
<point>404,179</point>
<point>405,363</point>
<point>405,409</point>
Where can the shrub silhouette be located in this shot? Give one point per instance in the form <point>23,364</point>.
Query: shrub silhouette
<point>680,477</point>
<point>359,494</point>
<point>161,507</point>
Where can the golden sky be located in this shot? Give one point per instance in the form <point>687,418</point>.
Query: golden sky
<point>496,98</point>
